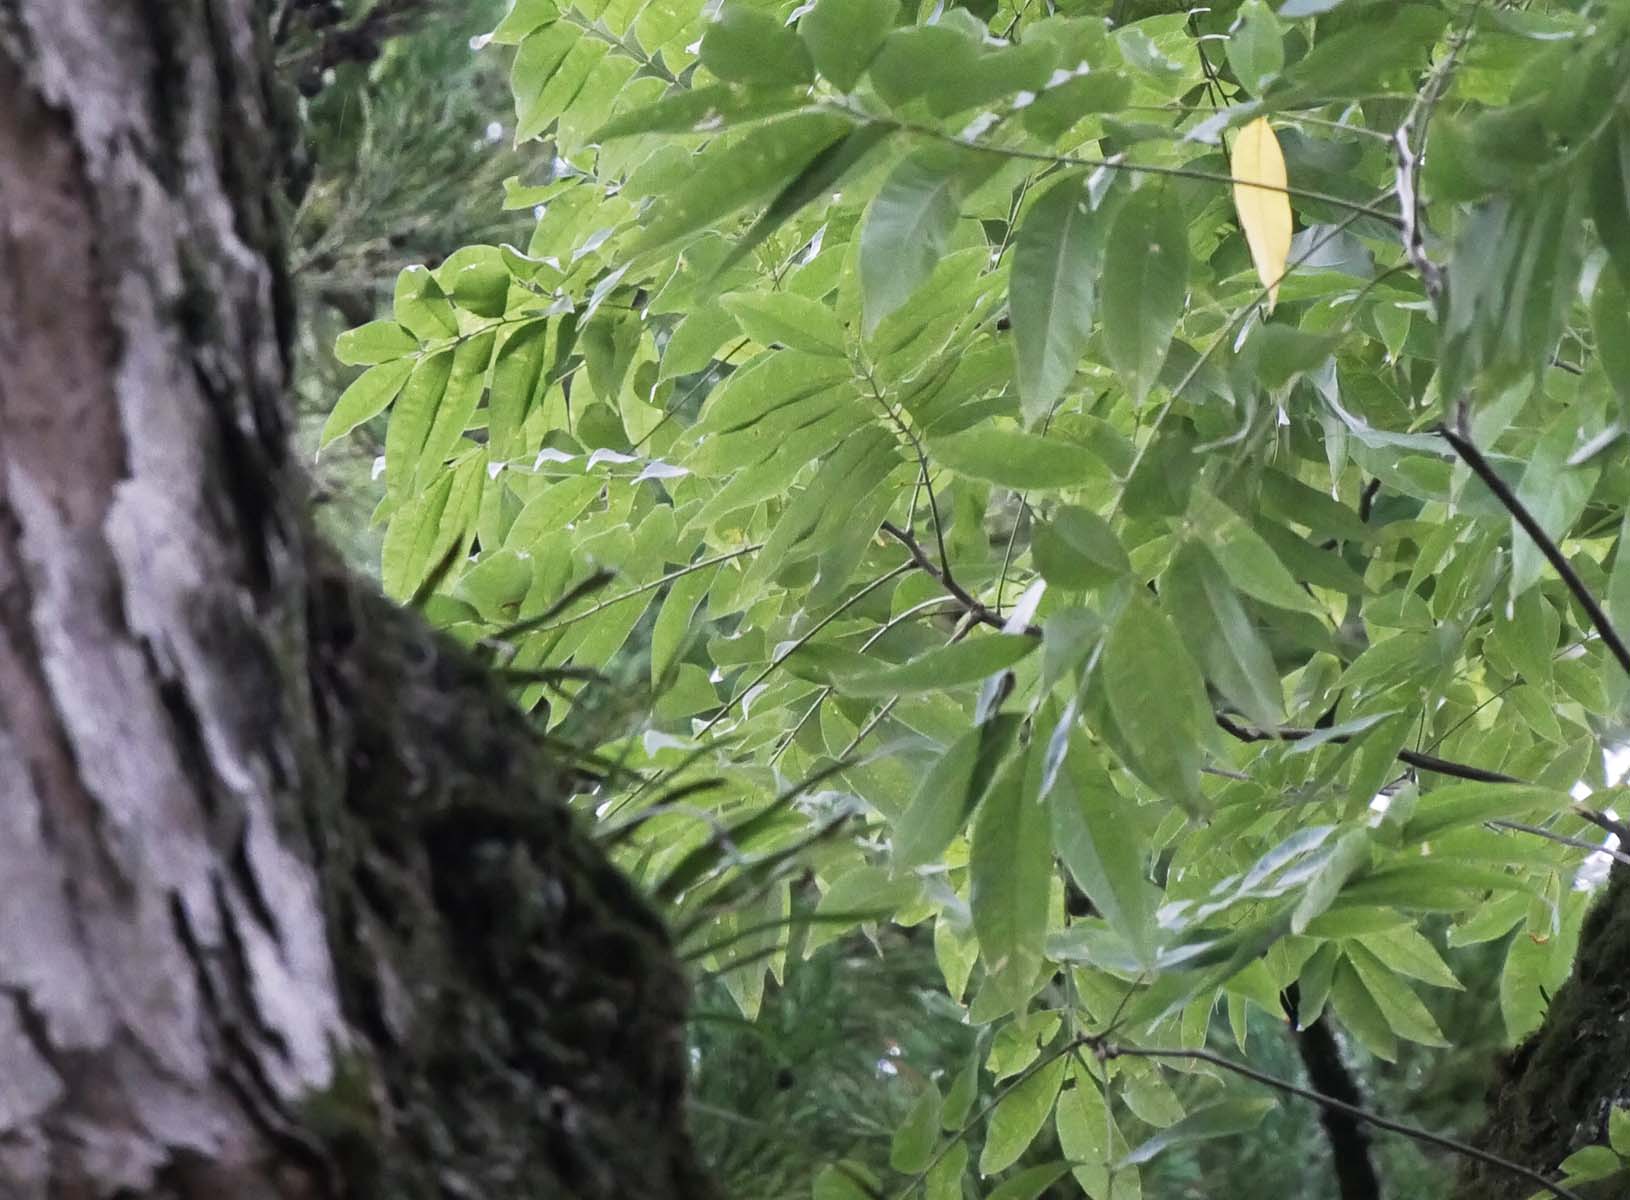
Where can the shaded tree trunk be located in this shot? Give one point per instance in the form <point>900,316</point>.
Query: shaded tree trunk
<point>1349,1140</point>
<point>290,903</point>
<point>1553,1093</point>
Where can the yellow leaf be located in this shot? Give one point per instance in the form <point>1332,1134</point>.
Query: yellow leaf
<point>1260,200</point>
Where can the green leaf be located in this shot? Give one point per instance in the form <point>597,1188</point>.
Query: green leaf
<point>950,791</point>
<point>1610,203</point>
<point>1589,1162</point>
<point>368,396</point>
<point>524,16</point>
<point>1221,635</point>
<point>1030,1182</point>
<point>944,1179</point>
<point>1402,1009</point>
<point>550,69</point>
<point>1223,1119</point>
<point>731,176</point>
<point>1361,1014</point>
<point>375,342</point>
<point>1019,1116</point>
<point>835,1183</point>
<point>517,369</point>
<point>1010,878</point>
<point>961,662</point>
<point>416,409</point>
<point>421,307</point>
<point>1425,884</point>
<point>1146,265</point>
<point>817,177</point>
<point>703,109</point>
<point>1053,293</point>
<point>1618,1130</point>
<point>1349,856</point>
<point>1407,952</point>
<point>466,380</point>
<point>432,526</point>
<point>1470,803</point>
<point>913,1145</point>
<point>908,225</point>
<point>1088,1135</point>
<point>1159,703</point>
<point>924,60</point>
<point>675,620</point>
<point>476,279</point>
<point>959,1097</point>
<point>1256,46</point>
<point>1022,461</point>
<point>1095,831</point>
<point>748,45</point>
<point>844,36</point>
<point>1361,56</point>
<point>1249,562</point>
<point>1077,549</point>
<point>781,317</point>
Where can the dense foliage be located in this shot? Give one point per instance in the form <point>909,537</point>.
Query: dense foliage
<point>1002,441</point>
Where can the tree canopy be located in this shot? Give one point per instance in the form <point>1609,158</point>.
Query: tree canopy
<point>1136,495</point>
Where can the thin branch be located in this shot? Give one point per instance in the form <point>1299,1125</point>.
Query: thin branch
<point>1114,164</point>
<point>1604,822</point>
<point>1415,758</point>
<point>532,625</point>
<point>801,642</point>
<point>1551,835</point>
<point>1480,467</point>
<point>1107,1051</point>
<point>974,607</point>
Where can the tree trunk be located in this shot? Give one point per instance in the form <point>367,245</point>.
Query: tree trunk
<point>290,903</point>
<point>1553,1093</point>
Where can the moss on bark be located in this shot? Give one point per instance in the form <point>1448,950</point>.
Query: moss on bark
<point>522,1007</point>
<point>1552,1094</point>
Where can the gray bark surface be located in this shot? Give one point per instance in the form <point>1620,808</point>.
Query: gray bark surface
<point>290,902</point>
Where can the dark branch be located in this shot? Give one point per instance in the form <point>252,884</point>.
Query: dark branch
<point>1415,758</point>
<point>1107,1050</point>
<point>971,604</point>
<point>1480,467</point>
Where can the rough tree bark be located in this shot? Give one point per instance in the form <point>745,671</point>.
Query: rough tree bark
<point>290,905</point>
<point>1553,1093</point>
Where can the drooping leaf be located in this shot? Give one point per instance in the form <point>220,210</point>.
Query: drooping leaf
<point>1261,202</point>
<point>1158,701</point>
<point>368,396</point>
<point>1019,1116</point>
<point>909,224</point>
<point>913,1145</point>
<point>844,36</point>
<point>1054,293</point>
<point>1009,883</point>
<point>1145,276</point>
<point>950,791</point>
<point>1095,832</point>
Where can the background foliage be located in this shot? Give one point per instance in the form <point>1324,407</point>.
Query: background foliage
<point>1011,536</point>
